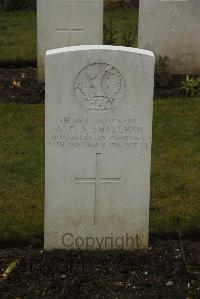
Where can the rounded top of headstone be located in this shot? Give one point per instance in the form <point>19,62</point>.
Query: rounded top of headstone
<point>99,47</point>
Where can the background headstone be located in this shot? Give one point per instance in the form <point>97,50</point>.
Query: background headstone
<point>171,28</point>
<point>62,23</point>
<point>99,105</point>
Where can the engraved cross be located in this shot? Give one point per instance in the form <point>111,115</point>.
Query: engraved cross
<point>69,29</point>
<point>97,180</point>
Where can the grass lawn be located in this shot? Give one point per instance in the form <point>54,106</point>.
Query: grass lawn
<point>18,32</point>
<point>175,185</point>
<point>124,22</point>
<point>18,36</point>
<point>175,181</point>
<point>21,171</point>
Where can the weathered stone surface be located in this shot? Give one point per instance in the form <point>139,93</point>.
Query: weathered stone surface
<point>99,105</point>
<point>171,28</point>
<point>62,23</point>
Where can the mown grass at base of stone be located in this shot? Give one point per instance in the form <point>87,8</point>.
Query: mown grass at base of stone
<point>175,183</point>
<point>21,171</point>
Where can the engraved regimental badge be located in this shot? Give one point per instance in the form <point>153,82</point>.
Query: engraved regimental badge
<point>99,87</point>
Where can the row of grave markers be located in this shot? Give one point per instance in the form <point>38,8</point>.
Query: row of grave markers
<point>99,109</point>
<point>166,27</point>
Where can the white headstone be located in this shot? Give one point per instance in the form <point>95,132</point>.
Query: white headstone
<point>62,23</point>
<point>172,28</point>
<point>99,105</point>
